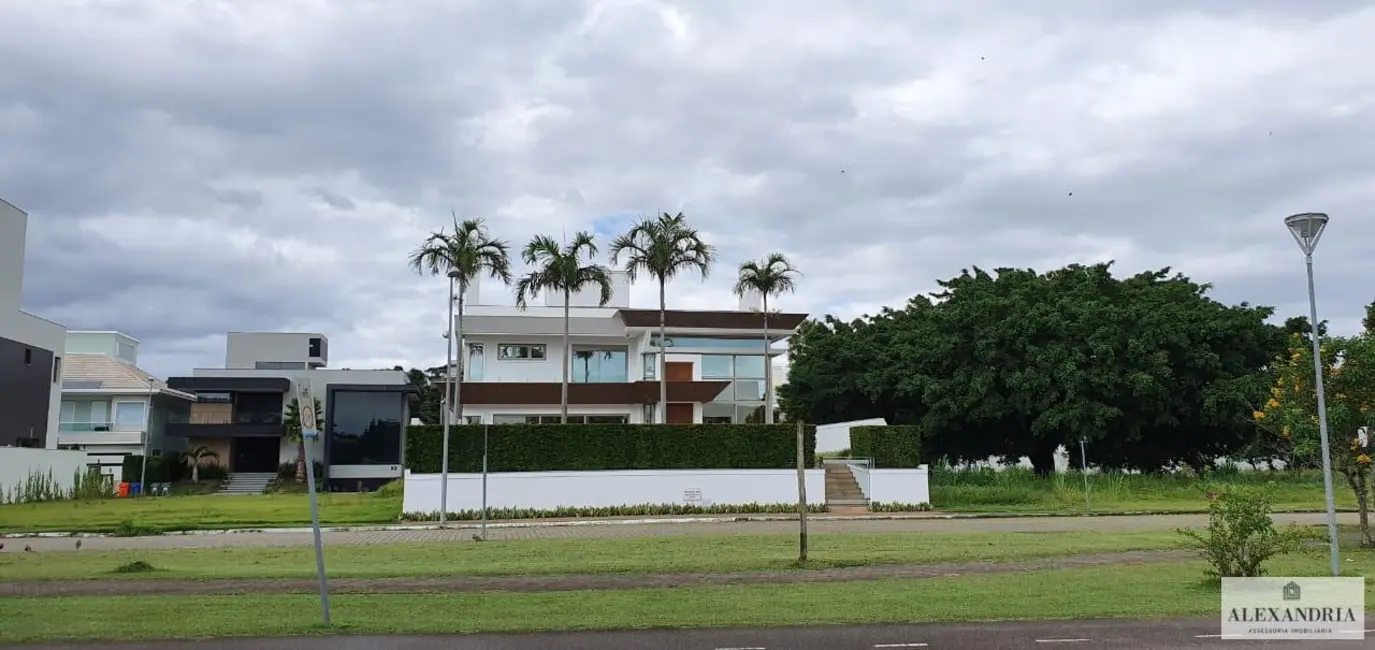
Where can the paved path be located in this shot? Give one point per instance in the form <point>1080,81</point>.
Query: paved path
<point>604,530</point>
<point>1077,635</point>
<point>450,584</point>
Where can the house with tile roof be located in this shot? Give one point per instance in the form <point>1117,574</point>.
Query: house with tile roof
<point>111,408</point>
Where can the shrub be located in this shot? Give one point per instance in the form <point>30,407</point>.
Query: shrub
<point>392,488</point>
<point>287,471</point>
<point>879,506</point>
<point>896,446</point>
<point>128,528</point>
<point>638,510</point>
<point>1241,536</point>
<point>546,447</point>
<point>137,566</point>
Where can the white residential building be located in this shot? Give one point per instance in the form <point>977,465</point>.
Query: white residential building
<point>31,349</point>
<point>514,359</point>
<point>111,408</point>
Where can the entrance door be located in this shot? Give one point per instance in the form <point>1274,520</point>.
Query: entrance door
<point>678,370</point>
<point>254,455</point>
<point>679,413</point>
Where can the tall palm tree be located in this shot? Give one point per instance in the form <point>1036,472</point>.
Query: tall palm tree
<point>560,270</point>
<point>663,247</point>
<point>769,277</point>
<point>464,255</point>
<point>197,457</point>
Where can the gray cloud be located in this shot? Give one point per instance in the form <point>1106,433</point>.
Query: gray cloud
<point>262,165</point>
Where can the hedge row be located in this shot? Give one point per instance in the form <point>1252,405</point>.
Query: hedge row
<point>166,467</point>
<point>896,446</point>
<point>549,447</point>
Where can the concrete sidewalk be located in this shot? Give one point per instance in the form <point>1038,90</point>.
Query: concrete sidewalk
<point>641,528</point>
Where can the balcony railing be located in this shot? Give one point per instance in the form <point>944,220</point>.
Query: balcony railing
<point>97,427</point>
<point>236,418</point>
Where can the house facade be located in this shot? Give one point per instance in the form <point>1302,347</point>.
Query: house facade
<point>111,408</point>
<point>239,410</point>
<point>31,349</point>
<point>514,360</point>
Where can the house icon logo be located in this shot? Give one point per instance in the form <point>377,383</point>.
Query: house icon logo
<point>1292,591</point>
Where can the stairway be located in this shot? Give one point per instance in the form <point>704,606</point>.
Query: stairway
<point>247,483</point>
<point>842,489</point>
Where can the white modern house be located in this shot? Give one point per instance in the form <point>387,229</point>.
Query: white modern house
<point>514,359</point>
<point>31,349</point>
<point>238,410</point>
<point>111,408</point>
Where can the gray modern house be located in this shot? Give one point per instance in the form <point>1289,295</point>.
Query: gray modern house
<point>239,410</point>
<point>31,349</point>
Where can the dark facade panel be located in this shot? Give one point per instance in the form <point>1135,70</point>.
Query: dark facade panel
<point>365,424</point>
<point>26,383</point>
<point>230,384</point>
<point>185,430</point>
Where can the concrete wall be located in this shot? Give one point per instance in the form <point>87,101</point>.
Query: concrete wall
<point>836,436</point>
<point>899,485</point>
<point>25,328</point>
<point>549,490</point>
<point>17,464</point>
<point>13,236</point>
<point>244,349</point>
<point>115,345</point>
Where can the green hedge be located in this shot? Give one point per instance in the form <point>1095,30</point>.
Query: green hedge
<point>891,447</point>
<point>548,447</point>
<point>167,467</point>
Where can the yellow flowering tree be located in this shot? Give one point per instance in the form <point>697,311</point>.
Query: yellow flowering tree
<point>1290,413</point>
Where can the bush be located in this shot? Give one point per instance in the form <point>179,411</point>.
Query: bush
<point>639,510</point>
<point>879,506</point>
<point>166,467</point>
<point>1241,536</point>
<point>287,471</point>
<point>897,446</point>
<point>547,447</point>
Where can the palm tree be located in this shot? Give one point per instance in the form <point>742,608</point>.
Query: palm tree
<point>197,456</point>
<point>467,253</point>
<point>663,247</point>
<point>768,277</point>
<point>291,422</point>
<point>560,269</point>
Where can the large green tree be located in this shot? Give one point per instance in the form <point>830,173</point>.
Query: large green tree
<point>561,270</point>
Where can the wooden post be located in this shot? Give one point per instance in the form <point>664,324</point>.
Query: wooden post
<point>801,495</point>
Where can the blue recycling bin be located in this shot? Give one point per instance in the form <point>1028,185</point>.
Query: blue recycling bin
<point>135,488</point>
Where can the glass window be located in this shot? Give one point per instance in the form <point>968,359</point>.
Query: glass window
<point>650,361</point>
<point>129,415</point>
<point>749,413</point>
<point>716,366</point>
<point>749,390</point>
<point>125,351</point>
<point>258,408</point>
<point>279,365</point>
<point>521,352</point>
<point>508,419</point>
<point>608,419</point>
<point>57,369</point>
<point>476,359</point>
<point>749,367</point>
<point>598,366</point>
<point>366,428</point>
<point>650,416</point>
<point>711,343</point>
<point>717,413</point>
<point>214,398</point>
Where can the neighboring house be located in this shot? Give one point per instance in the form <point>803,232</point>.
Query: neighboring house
<point>111,408</point>
<point>239,409</point>
<point>715,365</point>
<point>31,349</point>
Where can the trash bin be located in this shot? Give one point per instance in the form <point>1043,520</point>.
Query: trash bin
<point>124,489</point>
<point>134,488</point>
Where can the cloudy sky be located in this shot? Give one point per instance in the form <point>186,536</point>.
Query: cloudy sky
<point>196,167</point>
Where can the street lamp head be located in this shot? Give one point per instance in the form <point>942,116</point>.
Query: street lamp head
<point>1307,229</point>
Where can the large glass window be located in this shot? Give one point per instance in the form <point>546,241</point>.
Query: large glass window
<point>598,366</point>
<point>365,427</point>
<point>650,361</point>
<point>744,395</point>
<point>555,419</point>
<point>533,352</point>
<point>715,413</point>
<point>476,361</point>
<point>749,367</point>
<point>711,343</point>
<point>717,366</point>
<point>129,416</point>
<point>258,408</point>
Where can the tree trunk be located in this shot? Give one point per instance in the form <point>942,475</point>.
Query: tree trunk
<point>801,495</point>
<point>196,471</point>
<point>301,458</point>
<point>1043,458</point>
<point>462,353</point>
<point>567,357</point>
<point>768,369</point>
<point>663,356</point>
<point>1357,479</point>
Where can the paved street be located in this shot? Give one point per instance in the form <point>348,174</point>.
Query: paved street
<point>1085,635</point>
<point>620,530</point>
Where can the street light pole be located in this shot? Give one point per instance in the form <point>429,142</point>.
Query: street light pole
<point>448,405</point>
<point>1307,229</point>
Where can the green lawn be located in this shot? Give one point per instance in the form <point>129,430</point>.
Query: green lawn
<point>1133,591</point>
<point>1020,491</point>
<point>198,512</point>
<point>670,554</point>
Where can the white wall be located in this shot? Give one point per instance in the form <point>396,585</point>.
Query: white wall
<point>16,463</point>
<point>549,490</point>
<point>13,233</point>
<point>899,485</point>
<point>836,436</point>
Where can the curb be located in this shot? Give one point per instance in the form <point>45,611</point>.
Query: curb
<point>572,523</point>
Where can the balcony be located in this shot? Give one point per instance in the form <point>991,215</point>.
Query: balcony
<point>224,425</point>
<point>98,433</point>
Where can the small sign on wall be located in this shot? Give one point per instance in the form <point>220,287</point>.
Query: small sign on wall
<point>692,496</point>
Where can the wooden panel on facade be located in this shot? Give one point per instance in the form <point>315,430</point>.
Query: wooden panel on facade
<point>211,413</point>
<point>678,370</point>
<point>679,413</point>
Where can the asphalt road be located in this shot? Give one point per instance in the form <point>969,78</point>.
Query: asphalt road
<point>611,529</point>
<point>1124,635</point>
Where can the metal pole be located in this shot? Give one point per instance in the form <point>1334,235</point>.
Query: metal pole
<point>448,409</point>
<point>1322,420</point>
<point>485,429</point>
<point>1084,464</point>
<point>315,526</point>
<point>147,427</point>
<point>801,496</point>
